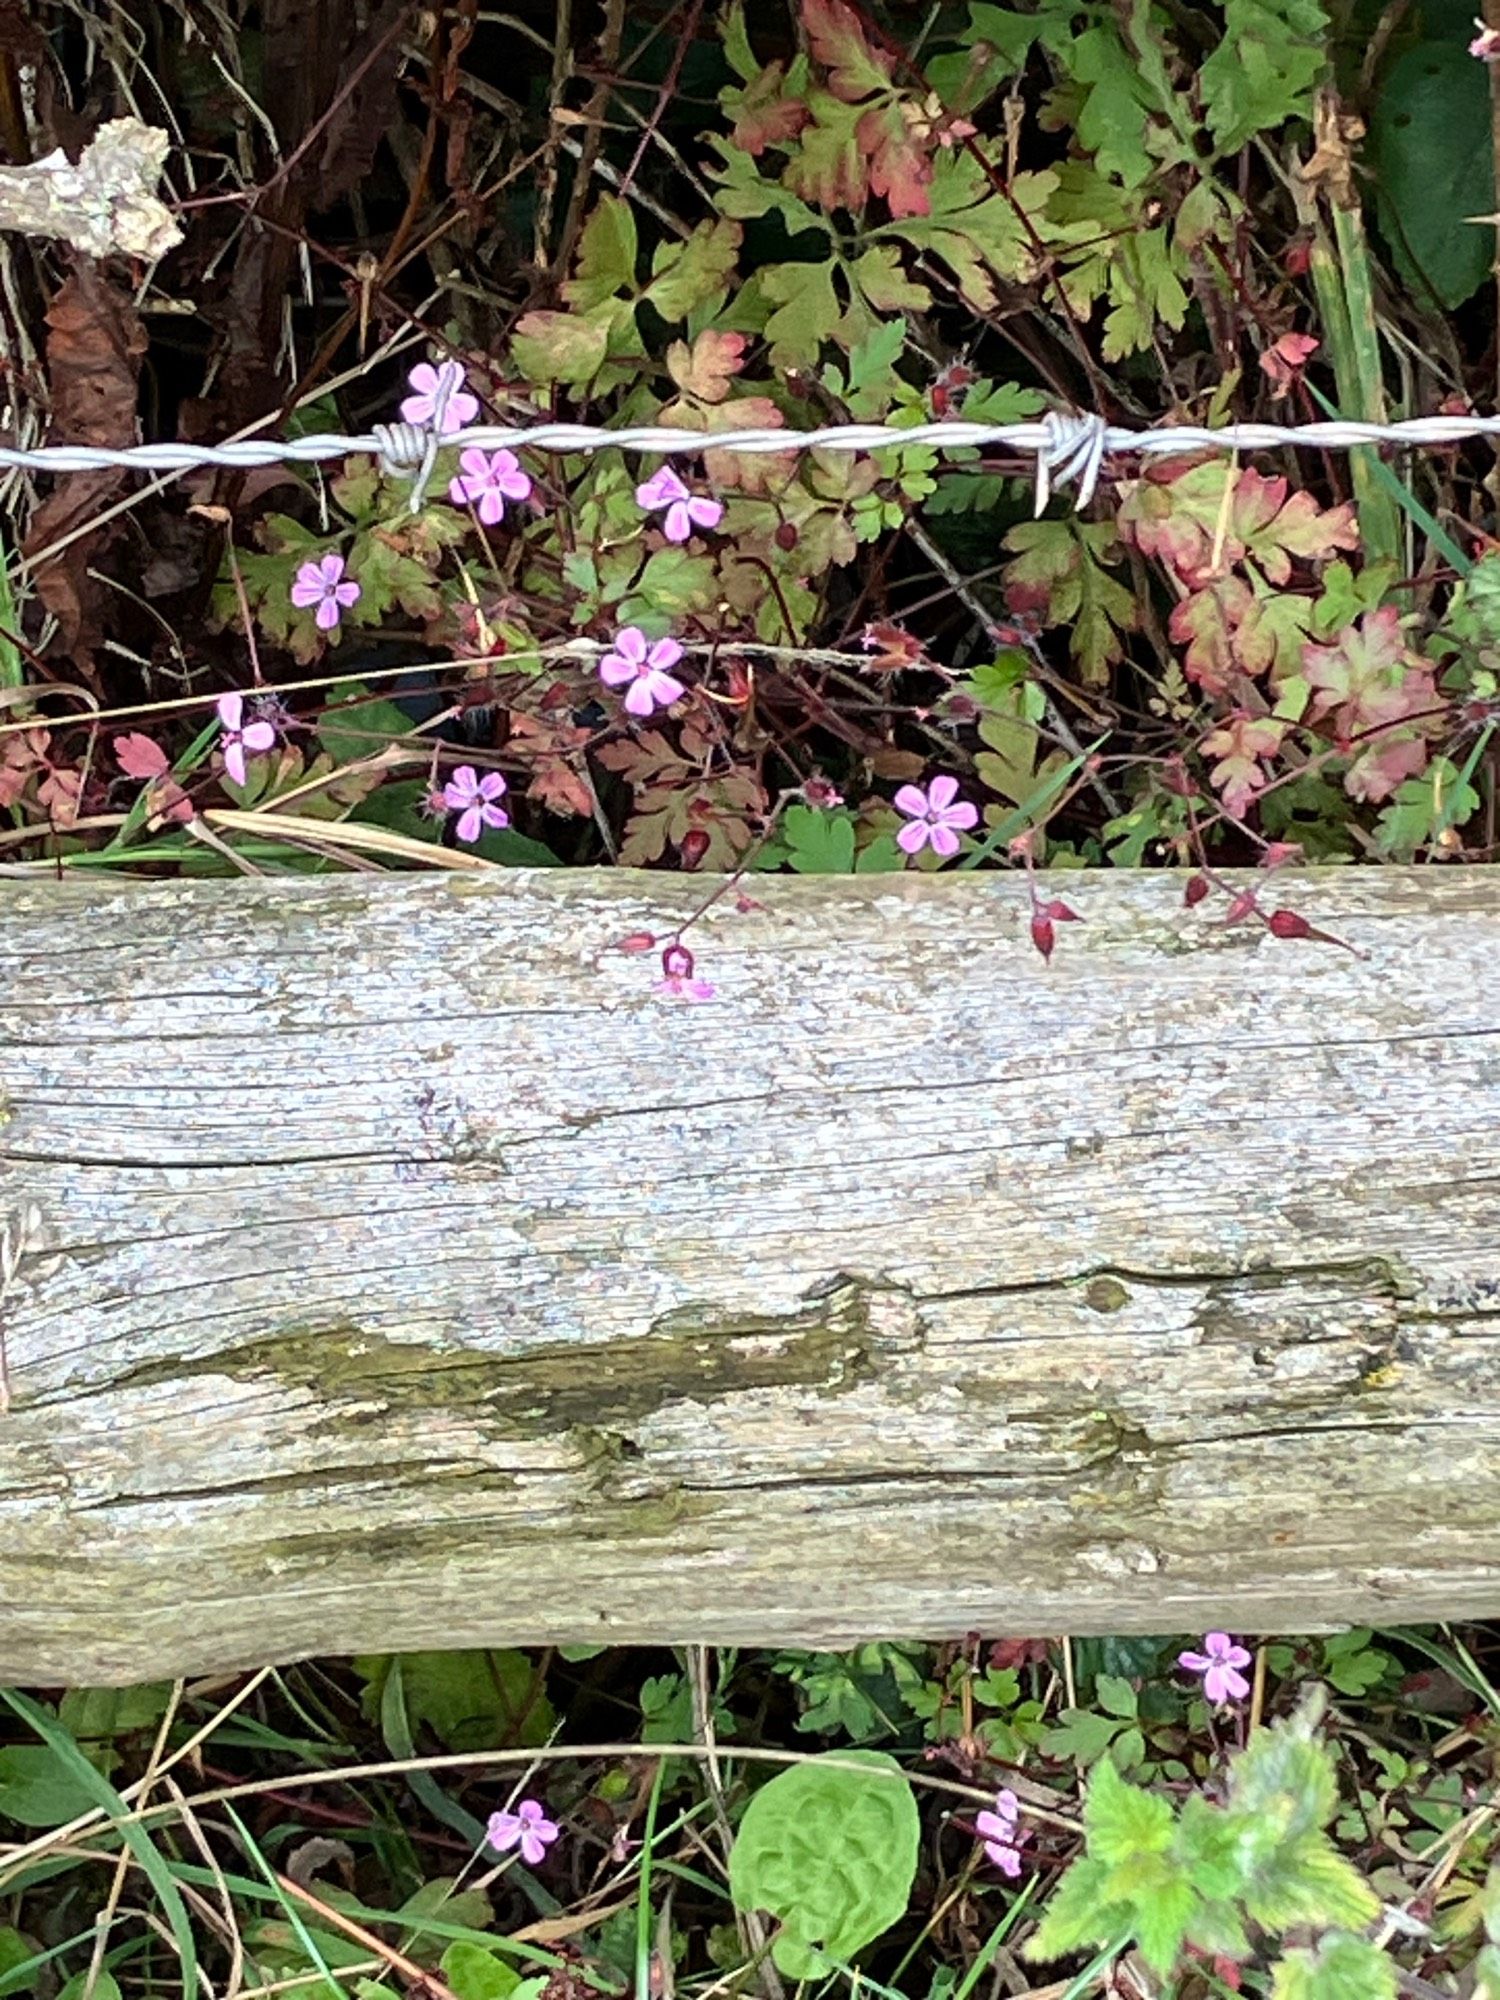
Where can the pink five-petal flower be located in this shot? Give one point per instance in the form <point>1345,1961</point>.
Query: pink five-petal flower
<point>324,584</point>
<point>1001,1836</point>
<point>236,736</point>
<point>473,799</point>
<point>678,980</point>
<point>486,480</point>
<point>642,670</point>
<point>937,815</point>
<point>1219,1663</point>
<point>684,511</point>
<point>424,381</point>
<point>528,1828</point>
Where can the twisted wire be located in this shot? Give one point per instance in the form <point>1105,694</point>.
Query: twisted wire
<point>1067,447</point>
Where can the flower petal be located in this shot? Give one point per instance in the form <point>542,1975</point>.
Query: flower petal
<point>665,653</point>
<point>662,688</point>
<point>470,823</point>
<point>327,614</point>
<point>942,791</point>
<point>913,800</point>
<point>491,785</point>
<point>614,671</point>
<point>465,781</point>
<point>630,644</point>
<point>348,592</point>
<point>331,568</point>
<point>944,840</point>
<point>677,526</point>
<point>423,379</point>
<point>913,836</point>
<point>230,707</point>
<point>234,759</point>
<point>261,736</point>
<point>638,697</point>
<point>707,513</point>
<point>962,815</point>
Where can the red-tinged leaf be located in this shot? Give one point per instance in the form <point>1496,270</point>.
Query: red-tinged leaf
<point>139,756</point>
<point>837,38</point>
<point>1059,913</point>
<point>900,171</point>
<point>891,647</point>
<point>1238,746</point>
<point>1240,907</point>
<point>637,941</point>
<point>1043,936</point>
<point>705,370</point>
<point>1176,513</point>
<point>1195,891</point>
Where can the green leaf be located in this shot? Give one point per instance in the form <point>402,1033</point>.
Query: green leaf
<point>37,1789</point>
<point>606,255</point>
<point>14,1950</point>
<point>1161,1919</point>
<point>1122,1820</point>
<point>807,311</point>
<point>1286,1774</point>
<point>1263,71</point>
<point>476,1974</point>
<point>1115,1696</point>
<point>1430,148</point>
<point>356,724</point>
<point>829,1852</point>
<point>1307,1881</point>
<point>97,1715</point>
<point>687,275</point>
<point>106,1986</point>
<point>1076,1914</point>
<point>821,843</point>
<point>469,1700</point>
<point>1339,1968</point>
<point>559,347</point>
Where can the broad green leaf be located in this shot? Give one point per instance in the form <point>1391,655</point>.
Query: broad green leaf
<point>1076,1914</point>
<point>356,724</point>
<point>807,311</point>
<point>470,1700</point>
<point>97,1715</point>
<point>821,843</point>
<point>476,1974</point>
<point>14,1950</point>
<point>105,1987</point>
<point>1430,148</point>
<point>559,347</point>
<point>1122,1820</point>
<point>37,1789</point>
<point>1340,1968</point>
<point>831,1853</point>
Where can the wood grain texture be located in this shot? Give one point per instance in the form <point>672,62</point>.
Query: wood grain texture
<point>408,1273</point>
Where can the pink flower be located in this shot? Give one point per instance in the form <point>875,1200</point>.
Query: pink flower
<point>1219,1663</point>
<point>1001,1836</point>
<point>325,585</point>
<point>424,381</point>
<point>473,798</point>
<point>685,510</point>
<point>1486,44</point>
<point>644,667</point>
<point>678,981</point>
<point>486,480</point>
<point>528,1828</point>
<point>937,815</point>
<point>236,736</point>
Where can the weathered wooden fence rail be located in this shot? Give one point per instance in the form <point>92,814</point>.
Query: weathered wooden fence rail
<point>406,1272</point>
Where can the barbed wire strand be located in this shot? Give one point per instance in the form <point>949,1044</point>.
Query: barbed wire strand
<point>1067,447</point>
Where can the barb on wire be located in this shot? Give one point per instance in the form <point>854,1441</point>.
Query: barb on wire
<point>1066,445</point>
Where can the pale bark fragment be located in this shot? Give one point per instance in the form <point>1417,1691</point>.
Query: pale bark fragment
<point>105,205</point>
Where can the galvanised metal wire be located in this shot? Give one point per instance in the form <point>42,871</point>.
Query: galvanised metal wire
<point>1069,449</point>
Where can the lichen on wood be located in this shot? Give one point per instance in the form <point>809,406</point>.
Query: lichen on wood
<point>407,1272</point>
